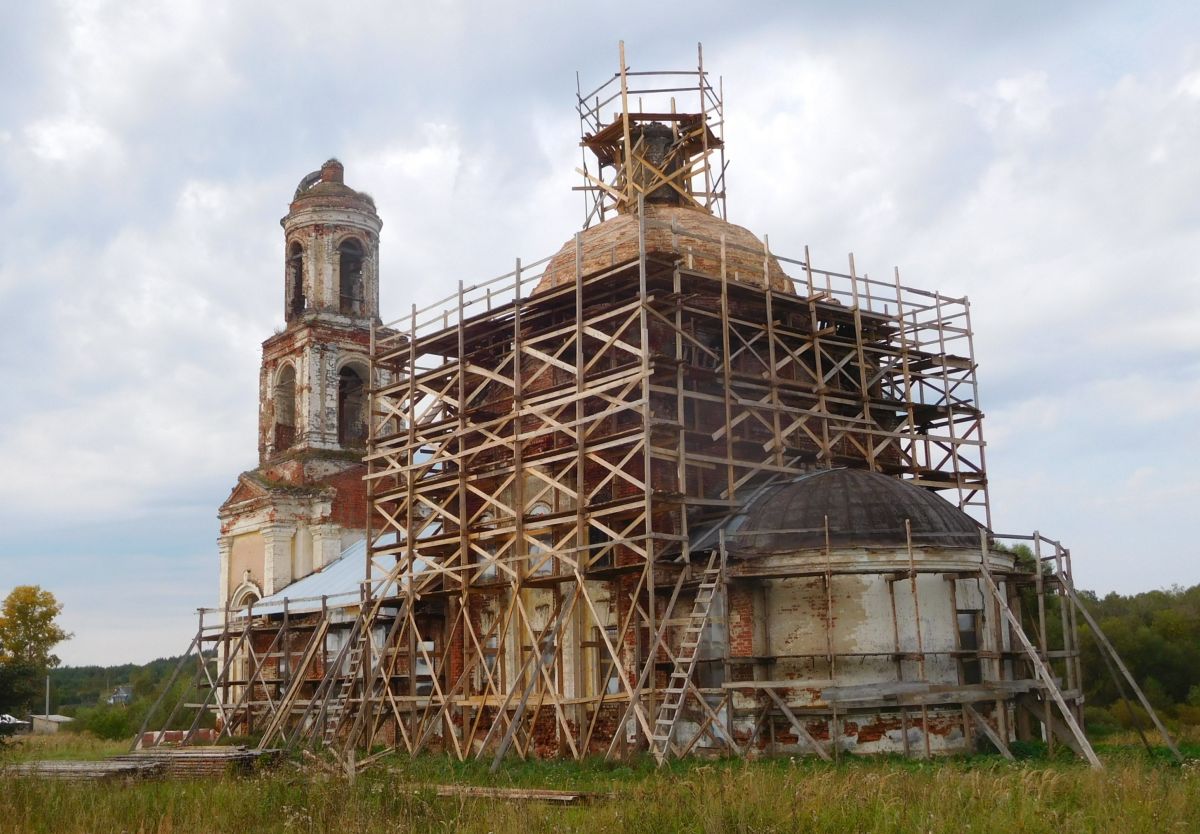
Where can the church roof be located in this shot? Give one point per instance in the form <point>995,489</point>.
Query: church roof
<point>862,508</point>
<point>338,582</point>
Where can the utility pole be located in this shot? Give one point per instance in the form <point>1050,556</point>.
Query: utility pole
<point>47,713</point>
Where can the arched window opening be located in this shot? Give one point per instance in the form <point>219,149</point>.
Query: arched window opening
<point>247,596</point>
<point>352,408</point>
<point>285,408</point>
<point>295,270</point>
<point>350,277</point>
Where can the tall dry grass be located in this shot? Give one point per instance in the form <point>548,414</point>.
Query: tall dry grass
<point>1131,795</point>
<point>78,746</point>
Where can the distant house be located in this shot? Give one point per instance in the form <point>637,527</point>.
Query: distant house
<point>122,695</point>
<point>44,724</point>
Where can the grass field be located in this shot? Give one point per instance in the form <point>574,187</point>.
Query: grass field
<point>1136,792</point>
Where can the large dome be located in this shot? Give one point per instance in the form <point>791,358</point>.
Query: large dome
<point>699,234</point>
<point>863,508</point>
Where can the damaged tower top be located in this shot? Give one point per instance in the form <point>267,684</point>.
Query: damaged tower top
<point>662,144</point>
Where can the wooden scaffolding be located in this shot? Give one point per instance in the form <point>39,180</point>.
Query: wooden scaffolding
<point>567,441</point>
<point>554,464</point>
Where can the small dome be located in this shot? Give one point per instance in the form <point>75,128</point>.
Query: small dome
<point>325,188</point>
<point>863,508</point>
<point>616,240</point>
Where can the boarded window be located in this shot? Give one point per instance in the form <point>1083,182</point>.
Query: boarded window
<point>352,408</point>
<point>608,679</point>
<point>968,643</point>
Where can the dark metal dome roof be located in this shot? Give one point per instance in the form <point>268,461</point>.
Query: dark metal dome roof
<point>863,508</point>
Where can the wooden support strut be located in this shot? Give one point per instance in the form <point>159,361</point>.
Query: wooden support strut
<point>1107,647</point>
<point>1042,672</point>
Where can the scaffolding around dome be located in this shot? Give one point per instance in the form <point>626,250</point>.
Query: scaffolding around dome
<point>662,145</point>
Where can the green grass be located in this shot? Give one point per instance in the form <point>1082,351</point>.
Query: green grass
<point>77,746</point>
<point>1135,793</point>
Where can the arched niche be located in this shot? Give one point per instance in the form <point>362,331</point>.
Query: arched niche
<point>350,277</point>
<point>296,300</point>
<point>285,407</point>
<point>352,407</point>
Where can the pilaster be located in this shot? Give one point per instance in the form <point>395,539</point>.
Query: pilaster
<point>225,550</point>
<point>327,544</point>
<point>277,556</point>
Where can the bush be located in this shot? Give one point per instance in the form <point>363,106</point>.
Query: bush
<point>1188,714</point>
<point>108,722</point>
<point>1099,721</point>
<point>1130,718</point>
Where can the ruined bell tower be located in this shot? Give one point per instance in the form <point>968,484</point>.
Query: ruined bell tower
<point>306,501</point>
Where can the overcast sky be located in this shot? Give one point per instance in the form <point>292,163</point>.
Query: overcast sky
<point>1038,157</point>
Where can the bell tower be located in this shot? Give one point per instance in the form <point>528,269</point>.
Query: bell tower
<point>306,500</point>
<point>312,391</point>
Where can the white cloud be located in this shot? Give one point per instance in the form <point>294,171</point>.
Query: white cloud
<point>1018,105</point>
<point>152,357</point>
<point>145,177</point>
<point>1189,85</point>
<point>68,139</point>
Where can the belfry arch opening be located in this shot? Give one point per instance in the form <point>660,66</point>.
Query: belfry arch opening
<point>352,407</point>
<point>296,302</point>
<point>350,277</point>
<point>285,408</point>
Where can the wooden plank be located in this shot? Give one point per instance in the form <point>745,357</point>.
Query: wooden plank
<point>800,729</point>
<point>1108,647</point>
<point>988,731</point>
<point>1043,673</point>
<point>555,797</point>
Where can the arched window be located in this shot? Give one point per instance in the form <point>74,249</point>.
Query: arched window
<point>295,272</point>
<point>245,596</point>
<point>285,408</point>
<point>352,408</point>
<point>350,277</point>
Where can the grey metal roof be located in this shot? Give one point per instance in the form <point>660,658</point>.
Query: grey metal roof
<point>339,583</point>
<point>862,508</point>
<point>707,537</point>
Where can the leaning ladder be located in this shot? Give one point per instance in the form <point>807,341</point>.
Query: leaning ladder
<point>376,682</point>
<point>1049,686</point>
<point>685,661</point>
<point>335,711</point>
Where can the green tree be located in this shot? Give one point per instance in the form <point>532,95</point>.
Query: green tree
<point>28,635</point>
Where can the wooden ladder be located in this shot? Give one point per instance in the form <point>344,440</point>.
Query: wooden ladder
<point>1045,676</point>
<point>685,661</point>
<point>335,711</point>
<point>309,725</point>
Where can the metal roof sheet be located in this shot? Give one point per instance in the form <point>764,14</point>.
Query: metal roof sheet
<point>339,583</point>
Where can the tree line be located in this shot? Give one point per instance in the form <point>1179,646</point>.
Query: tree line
<point>1157,635</point>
